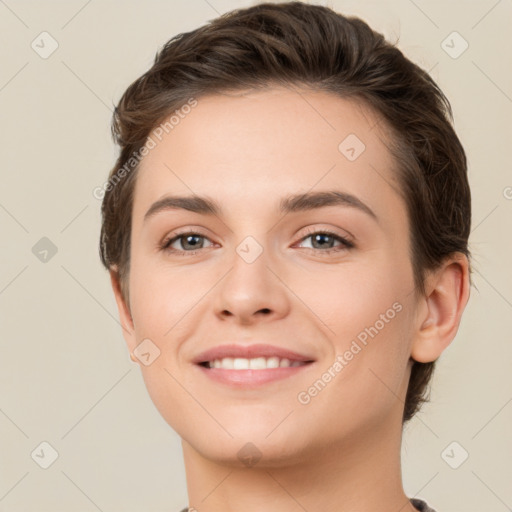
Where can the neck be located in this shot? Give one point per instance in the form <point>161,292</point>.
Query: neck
<point>361,473</point>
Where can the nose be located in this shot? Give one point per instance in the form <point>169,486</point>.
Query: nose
<point>252,292</point>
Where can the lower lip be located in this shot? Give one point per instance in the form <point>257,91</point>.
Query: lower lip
<point>251,378</point>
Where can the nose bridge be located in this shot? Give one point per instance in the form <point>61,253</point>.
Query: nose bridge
<point>251,285</point>
<point>251,267</point>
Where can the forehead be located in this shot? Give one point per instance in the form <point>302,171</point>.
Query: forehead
<point>266,144</point>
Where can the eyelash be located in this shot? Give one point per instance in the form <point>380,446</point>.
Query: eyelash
<point>167,242</point>
<point>346,243</point>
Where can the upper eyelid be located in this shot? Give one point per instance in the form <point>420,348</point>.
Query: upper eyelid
<point>311,231</point>
<point>179,234</point>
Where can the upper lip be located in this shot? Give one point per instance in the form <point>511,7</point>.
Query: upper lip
<point>249,352</point>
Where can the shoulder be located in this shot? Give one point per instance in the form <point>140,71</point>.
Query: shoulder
<point>418,504</point>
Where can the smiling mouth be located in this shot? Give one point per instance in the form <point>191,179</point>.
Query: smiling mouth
<point>257,363</point>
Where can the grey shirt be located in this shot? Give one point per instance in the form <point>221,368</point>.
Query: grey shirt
<point>419,504</point>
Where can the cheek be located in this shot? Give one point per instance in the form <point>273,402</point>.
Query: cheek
<point>370,377</point>
<point>369,328</point>
<point>162,296</point>
<point>350,297</point>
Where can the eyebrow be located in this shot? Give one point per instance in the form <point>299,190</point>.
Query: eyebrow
<point>290,204</point>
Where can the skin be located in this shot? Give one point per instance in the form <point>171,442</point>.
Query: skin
<point>341,451</point>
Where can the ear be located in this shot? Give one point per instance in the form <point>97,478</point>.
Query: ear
<point>125,316</point>
<point>447,293</point>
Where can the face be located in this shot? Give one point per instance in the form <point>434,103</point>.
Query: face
<point>307,254</point>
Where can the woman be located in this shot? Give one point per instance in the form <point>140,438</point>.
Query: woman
<point>286,230</point>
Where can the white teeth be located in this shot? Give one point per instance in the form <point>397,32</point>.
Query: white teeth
<point>240,364</point>
<point>273,362</point>
<point>257,363</point>
<point>226,363</point>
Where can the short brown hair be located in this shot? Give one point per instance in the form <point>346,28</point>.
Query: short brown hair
<point>309,45</point>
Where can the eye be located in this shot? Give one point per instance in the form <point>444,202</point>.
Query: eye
<point>190,243</point>
<point>324,241</point>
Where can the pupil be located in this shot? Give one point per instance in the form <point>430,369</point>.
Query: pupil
<point>319,238</point>
<point>189,237</point>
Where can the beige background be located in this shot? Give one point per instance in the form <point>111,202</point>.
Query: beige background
<point>65,375</point>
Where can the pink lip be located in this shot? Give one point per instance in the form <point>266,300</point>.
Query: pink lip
<point>250,378</point>
<point>250,352</point>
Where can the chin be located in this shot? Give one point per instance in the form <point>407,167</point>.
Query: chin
<point>254,444</point>
<point>244,453</point>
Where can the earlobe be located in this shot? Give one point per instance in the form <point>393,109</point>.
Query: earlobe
<point>439,319</point>
<point>124,312</point>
